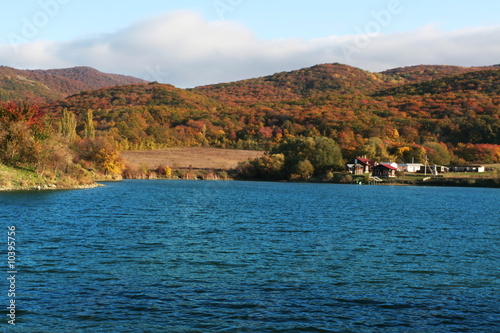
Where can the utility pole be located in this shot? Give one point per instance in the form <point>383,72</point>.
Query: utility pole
<point>425,166</point>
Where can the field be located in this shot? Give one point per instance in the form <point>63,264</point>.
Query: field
<point>192,157</point>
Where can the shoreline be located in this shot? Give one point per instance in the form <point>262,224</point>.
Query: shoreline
<point>451,182</point>
<point>52,187</point>
<point>224,175</point>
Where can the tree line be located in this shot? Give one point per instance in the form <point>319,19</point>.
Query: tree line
<point>31,140</point>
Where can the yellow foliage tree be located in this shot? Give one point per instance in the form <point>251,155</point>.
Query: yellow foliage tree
<point>394,134</point>
<point>403,150</point>
<point>110,160</point>
<point>168,172</point>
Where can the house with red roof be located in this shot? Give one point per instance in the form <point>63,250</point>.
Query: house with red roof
<point>360,166</point>
<point>385,169</point>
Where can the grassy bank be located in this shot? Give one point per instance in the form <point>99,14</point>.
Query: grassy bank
<point>12,179</point>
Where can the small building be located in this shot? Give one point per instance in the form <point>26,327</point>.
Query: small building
<point>435,169</point>
<point>360,166</point>
<point>385,170</point>
<point>467,168</point>
<point>411,167</point>
<point>441,168</point>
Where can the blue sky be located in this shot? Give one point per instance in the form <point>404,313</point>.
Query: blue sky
<point>194,42</point>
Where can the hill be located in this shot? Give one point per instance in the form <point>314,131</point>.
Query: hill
<point>150,94</point>
<point>149,115</point>
<point>421,73</point>
<point>324,79</point>
<point>318,80</point>
<point>55,83</point>
<point>483,81</point>
<point>338,101</point>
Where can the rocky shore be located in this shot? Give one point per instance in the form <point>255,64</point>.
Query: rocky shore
<point>49,187</point>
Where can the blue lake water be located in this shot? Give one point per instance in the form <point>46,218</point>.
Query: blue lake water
<point>197,256</point>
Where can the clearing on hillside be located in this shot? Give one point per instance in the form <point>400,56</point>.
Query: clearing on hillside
<point>192,157</point>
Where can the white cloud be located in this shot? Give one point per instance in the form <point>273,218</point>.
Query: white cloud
<point>183,49</point>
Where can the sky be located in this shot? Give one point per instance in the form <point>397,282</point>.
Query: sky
<point>189,43</point>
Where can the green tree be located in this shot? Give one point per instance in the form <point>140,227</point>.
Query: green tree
<point>437,153</point>
<point>375,149</point>
<point>89,125</point>
<point>303,170</point>
<point>322,153</point>
<point>67,126</point>
<point>326,156</point>
<point>295,149</point>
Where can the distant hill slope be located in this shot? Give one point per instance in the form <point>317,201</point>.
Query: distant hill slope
<point>317,80</point>
<point>148,115</point>
<point>415,74</point>
<point>138,95</point>
<point>56,83</point>
<point>327,79</point>
<point>485,82</point>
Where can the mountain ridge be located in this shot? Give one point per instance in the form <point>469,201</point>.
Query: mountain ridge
<point>318,80</point>
<point>323,79</point>
<point>54,84</point>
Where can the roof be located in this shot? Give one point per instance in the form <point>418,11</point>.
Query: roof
<point>365,161</point>
<point>388,166</point>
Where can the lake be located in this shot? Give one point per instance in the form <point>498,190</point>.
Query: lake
<point>198,256</point>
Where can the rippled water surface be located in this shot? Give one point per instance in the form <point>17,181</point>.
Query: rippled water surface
<point>188,256</point>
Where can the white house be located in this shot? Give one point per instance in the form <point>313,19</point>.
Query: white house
<point>411,167</point>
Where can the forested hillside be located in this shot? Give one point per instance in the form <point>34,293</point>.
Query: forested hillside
<point>415,74</point>
<point>336,101</point>
<point>449,114</point>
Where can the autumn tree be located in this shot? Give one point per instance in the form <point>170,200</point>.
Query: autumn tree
<point>409,153</point>
<point>21,132</point>
<point>270,167</point>
<point>102,152</point>
<point>479,153</point>
<point>18,146</point>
